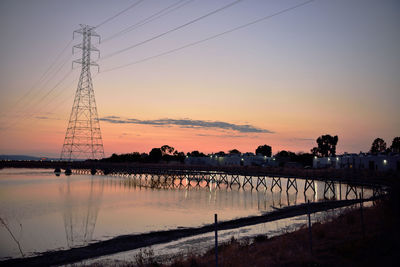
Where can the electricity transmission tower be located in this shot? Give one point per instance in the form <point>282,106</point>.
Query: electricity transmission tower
<point>83,136</point>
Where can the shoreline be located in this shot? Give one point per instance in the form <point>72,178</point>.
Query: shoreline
<point>129,242</point>
<point>358,237</point>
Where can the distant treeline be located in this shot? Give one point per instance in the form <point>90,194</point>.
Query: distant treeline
<point>165,153</point>
<point>326,147</point>
<point>305,159</point>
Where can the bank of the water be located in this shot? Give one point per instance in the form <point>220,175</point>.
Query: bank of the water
<point>130,242</point>
<point>347,240</point>
<point>184,247</point>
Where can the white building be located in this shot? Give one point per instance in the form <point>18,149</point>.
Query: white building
<point>378,162</point>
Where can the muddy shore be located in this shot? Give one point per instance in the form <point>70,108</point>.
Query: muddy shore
<point>130,242</point>
<point>358,237</point>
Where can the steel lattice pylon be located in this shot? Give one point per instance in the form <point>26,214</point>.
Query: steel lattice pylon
<point>83,136</point>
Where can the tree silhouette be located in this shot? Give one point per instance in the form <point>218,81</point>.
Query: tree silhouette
<point>167,150</point>
<point>326,146</point>
<point>234,152</point>
<point>264,150</point>
<point>155,155</point>
<point>395,147</point>
<point>130,157</point>
<point>196,153</point>
<point>285,154</point>
<point>378,146</point>
<point>314,151</point>
<point>221,154</point>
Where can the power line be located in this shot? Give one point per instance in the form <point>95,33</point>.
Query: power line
<point>211,37</point>
<point>172,30</point>
<point>27,105</point>
<point>119,13</point>
<point>56,106</point>
<point>59,104</point>
<point>31,103</point>
<point>42,77</point>
<point>54,87</point>
<point>155,16</point>
<point>54,97</point>
<point>40,100</point>
<point>45,76</point>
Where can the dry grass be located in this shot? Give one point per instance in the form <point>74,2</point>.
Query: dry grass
<point>339,242</point>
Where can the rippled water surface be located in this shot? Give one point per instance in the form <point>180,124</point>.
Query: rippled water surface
<point>41,211</point>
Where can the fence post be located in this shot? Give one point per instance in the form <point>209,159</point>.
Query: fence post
<point>362,217</point>
<point>216,239</point>
<point>309,226</point>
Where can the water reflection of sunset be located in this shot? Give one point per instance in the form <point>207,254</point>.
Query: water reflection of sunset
<point>63,211</point>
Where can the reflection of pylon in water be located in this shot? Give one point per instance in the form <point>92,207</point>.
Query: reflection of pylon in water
<point>80,211</point>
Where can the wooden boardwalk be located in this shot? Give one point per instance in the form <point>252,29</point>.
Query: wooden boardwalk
<point>162,175</point>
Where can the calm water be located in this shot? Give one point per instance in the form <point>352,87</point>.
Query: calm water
<point>45,212</point>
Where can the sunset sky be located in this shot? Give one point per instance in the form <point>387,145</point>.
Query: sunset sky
<point>325,67</point>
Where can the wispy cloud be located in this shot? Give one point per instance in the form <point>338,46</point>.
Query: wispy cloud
<point>42,117</point>
<point>222,136</point>
<point>46,118</point>
<point>188,123</point>
<point>299,140</point>
<point>303,139</point>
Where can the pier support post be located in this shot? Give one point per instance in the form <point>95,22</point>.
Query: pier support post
<point>234,180</point>
<point>213,178</point>
<point>291,182</point>
<point>351,188</point>
<point>276,182</point>
<point>248,179</point>
<point>309,183</point>
<point>223,179</point>
<point>329,186</point>
<point>261,180</point>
